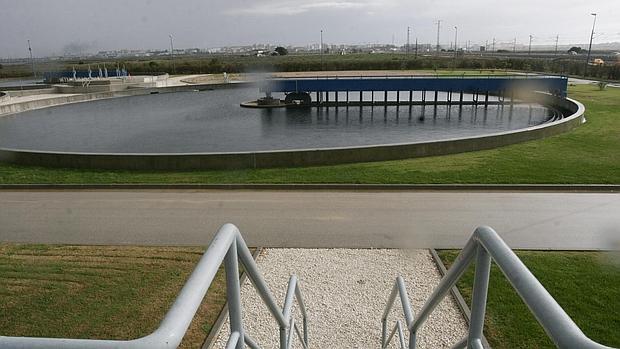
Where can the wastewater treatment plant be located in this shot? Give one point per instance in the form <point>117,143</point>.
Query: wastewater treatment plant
<point>288,122</point>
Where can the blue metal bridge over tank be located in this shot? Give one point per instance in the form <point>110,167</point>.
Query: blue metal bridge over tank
<point>497,85</point>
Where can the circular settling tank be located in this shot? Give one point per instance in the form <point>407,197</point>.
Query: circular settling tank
<point>213,122</point>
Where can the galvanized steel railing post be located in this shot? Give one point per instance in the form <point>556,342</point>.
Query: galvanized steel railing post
<point>401,337</point>
<point>404,300</point>
<point>233,292</point>
<point>257,280</point>
<point>452,276</point>
<point>479,297</point>
<point>305,324</point>
<point>293,292</point>
<point>383,332</point>
<point>302,307</point>
<point>233,341</point>
<point>289,337</point>
<point>285,338</point>
<point>250,342</point>
<point>400,290</point>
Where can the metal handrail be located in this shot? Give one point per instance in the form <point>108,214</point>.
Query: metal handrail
<point>400,290</point>
<point>227,247</point>
<point>233,340</point>
<point>486,245</point>
<point>292,293</point>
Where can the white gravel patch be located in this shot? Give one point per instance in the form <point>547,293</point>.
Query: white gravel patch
<point>345,291</point>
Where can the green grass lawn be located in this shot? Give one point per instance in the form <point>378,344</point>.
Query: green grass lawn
<point>587,155</point>
<point>585,284</point>
<point>101,292</point>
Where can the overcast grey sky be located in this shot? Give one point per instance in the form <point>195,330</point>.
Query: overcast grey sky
<point>55,25</point>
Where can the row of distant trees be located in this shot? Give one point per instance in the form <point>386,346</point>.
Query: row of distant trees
<point>375,62</point>
<point>574,49</point>
<point>238,64</point>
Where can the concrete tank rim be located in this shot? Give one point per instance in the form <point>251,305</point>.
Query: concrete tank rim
<point>577,114</point>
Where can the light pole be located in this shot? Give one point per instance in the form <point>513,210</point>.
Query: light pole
<point>585,70</point>
<point>34,74</point>
<point>172,54</point>
<point>438,29</point>
<point>529,50</point>
<point>408,32</point>
<point>456,46</point>
<point>321,48</point>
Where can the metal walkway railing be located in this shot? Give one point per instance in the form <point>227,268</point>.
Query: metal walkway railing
<point>226,247</point>
<point>484,245</point>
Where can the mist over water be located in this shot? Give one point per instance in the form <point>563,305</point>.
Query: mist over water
<point>213,121</point>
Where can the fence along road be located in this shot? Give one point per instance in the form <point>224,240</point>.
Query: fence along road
<point>392,219</point>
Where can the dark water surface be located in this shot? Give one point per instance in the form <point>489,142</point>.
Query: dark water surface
<point>213,121</point>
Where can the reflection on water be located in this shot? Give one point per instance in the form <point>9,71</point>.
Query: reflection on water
<point>213,121</point>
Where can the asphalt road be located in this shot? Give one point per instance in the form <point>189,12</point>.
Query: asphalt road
<point>365,219</point>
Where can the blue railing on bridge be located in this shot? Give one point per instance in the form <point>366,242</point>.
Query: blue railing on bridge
<point>556,85</point>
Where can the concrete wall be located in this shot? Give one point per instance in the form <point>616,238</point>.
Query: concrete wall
<point>49,102</point>
<point>31,92</point>
<point>93,88</point>
<point>3,97</point>
<point>25,87</point>
<point>303,157</point>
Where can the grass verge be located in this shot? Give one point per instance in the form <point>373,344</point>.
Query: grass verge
<point>99,292</point>
<point>585,284</point>
<point>587,155</point>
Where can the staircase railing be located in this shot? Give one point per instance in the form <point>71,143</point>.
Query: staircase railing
<point>485,244</point>
<point>229,248</point>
